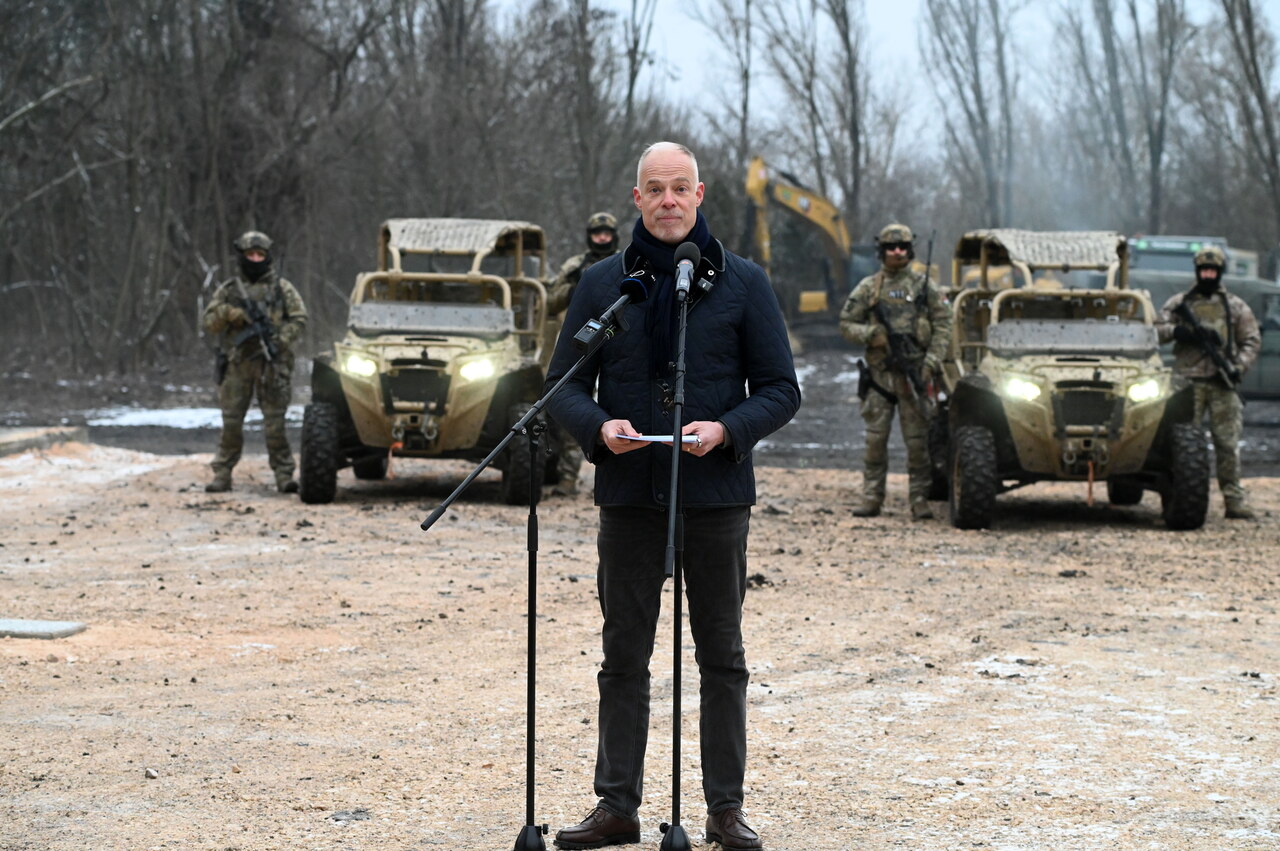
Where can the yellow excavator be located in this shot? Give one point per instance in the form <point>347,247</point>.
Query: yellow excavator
<point>849,262</point>
<point>765,187</point>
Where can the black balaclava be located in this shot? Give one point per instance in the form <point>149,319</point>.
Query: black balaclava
<point>1209,287</point>
<point>606,250</point>
<point>255,271</point>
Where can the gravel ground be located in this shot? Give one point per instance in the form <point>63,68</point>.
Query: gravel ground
<point>261,674</point>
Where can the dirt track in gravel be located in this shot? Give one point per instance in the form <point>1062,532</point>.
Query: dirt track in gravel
<point>330,677</point>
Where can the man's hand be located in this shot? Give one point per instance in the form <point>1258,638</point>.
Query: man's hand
<point>710,434</point>
<point>929,371</point>
<point>234,316</point>
<point>1183,334</point>
<point>612,428</point>
<point>879,337</point>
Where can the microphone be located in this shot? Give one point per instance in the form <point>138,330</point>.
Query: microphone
<point>596,331</point>
<point>687,259</point>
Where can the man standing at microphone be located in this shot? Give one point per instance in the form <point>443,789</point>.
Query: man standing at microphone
<point>740,386</point>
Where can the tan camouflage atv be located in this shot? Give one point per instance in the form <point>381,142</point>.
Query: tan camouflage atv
<point>444,351</point>
<point>1047,382</point>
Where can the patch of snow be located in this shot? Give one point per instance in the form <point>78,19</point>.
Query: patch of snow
<point>183,418</point>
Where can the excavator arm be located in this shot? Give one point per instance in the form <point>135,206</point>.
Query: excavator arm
<point>765,187</point>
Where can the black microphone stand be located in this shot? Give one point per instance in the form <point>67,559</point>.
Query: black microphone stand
<point>590,338</point>
<point>674,837</point>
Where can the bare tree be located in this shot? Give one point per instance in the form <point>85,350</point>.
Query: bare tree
<point>1254,51</point>
<point>792,33</point>
<point>848,90</point>
<point>967,45</point>
<point>1128,82</point>
<point>729,22</point>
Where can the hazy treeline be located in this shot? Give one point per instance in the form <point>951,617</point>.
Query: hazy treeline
<point>140,137</point>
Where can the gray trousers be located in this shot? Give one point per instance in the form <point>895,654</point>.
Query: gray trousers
<point>632,546</point>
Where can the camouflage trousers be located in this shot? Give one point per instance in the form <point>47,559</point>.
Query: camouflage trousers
<point>877,413</point>
<point>273,385</point>
<point>1226,426</point>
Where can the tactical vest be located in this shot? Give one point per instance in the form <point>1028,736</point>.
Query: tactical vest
<point>905,298</point>
<point>1213,313</point>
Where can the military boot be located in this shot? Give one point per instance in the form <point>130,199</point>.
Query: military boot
<point>286,484</point>
<point>1237,509</point>
<point>867,508</point>
<point>221,483</point>
<point>920,510</point>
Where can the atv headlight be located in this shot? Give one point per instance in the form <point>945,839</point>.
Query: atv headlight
<point>1144,391</point>
<point>477,370</point>
<point>1020,388</point>
<point>361,365</point>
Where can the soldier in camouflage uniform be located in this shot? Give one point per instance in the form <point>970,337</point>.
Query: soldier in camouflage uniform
<point>917,308</point>
<point>602,242</point>
<point>1230,326</point>
<point>255,359</point>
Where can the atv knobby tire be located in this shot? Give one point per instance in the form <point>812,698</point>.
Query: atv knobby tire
<point>1185,500</point>
<point>974,478</point>
<point>1122,492</point>
<point>518,472</point>
<point>318,476</point>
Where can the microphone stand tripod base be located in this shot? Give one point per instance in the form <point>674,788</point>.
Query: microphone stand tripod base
<point>674,838</point>
<point>530,838</point>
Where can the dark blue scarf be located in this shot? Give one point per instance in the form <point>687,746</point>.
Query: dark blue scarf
<point>660,321</point>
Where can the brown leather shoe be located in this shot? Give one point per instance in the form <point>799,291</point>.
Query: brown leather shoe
<point>729,828</point>
<point>598,829</point>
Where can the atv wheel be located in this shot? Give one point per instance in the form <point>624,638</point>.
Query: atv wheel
<point>974,478</point>
<point>938,438</point>
<point>1122,492</point>
<point>1185,500</point>
<point>370,467</point>
<point>318,479</point>
<point>518,473</point>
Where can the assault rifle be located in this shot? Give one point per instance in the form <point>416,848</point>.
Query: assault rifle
<point>259,326</point>
<point>1208,341</point>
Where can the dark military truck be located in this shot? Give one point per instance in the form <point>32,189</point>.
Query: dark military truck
<point>1049,383</point>
<point>443,353</point>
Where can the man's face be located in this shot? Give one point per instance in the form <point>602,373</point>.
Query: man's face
<point>255,255</point>
<point>603,236</point>
<point>895,255</point>
<point>1208,277</point>
<point>668,196</point>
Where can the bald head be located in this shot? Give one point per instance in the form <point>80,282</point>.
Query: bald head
<point>665,147</point>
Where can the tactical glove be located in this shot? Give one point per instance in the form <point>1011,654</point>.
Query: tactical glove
<point>931,368</point>
<point>1183,334</point>
<point>235,316</point>
<point>879,337</point>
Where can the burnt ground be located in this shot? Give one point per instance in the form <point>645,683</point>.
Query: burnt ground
<point>826,433</point>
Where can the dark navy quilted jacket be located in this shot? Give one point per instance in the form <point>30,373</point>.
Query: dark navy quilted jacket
<point>739,370</point>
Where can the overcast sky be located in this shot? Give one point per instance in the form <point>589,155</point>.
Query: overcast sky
<point>683,44</point>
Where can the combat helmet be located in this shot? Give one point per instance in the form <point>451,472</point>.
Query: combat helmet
<point>254,270</point>
<point>252,239</point>
<point>598,222</point>
<point>894,233</point>
<point>1211,255</point>
<point>602,221</point>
